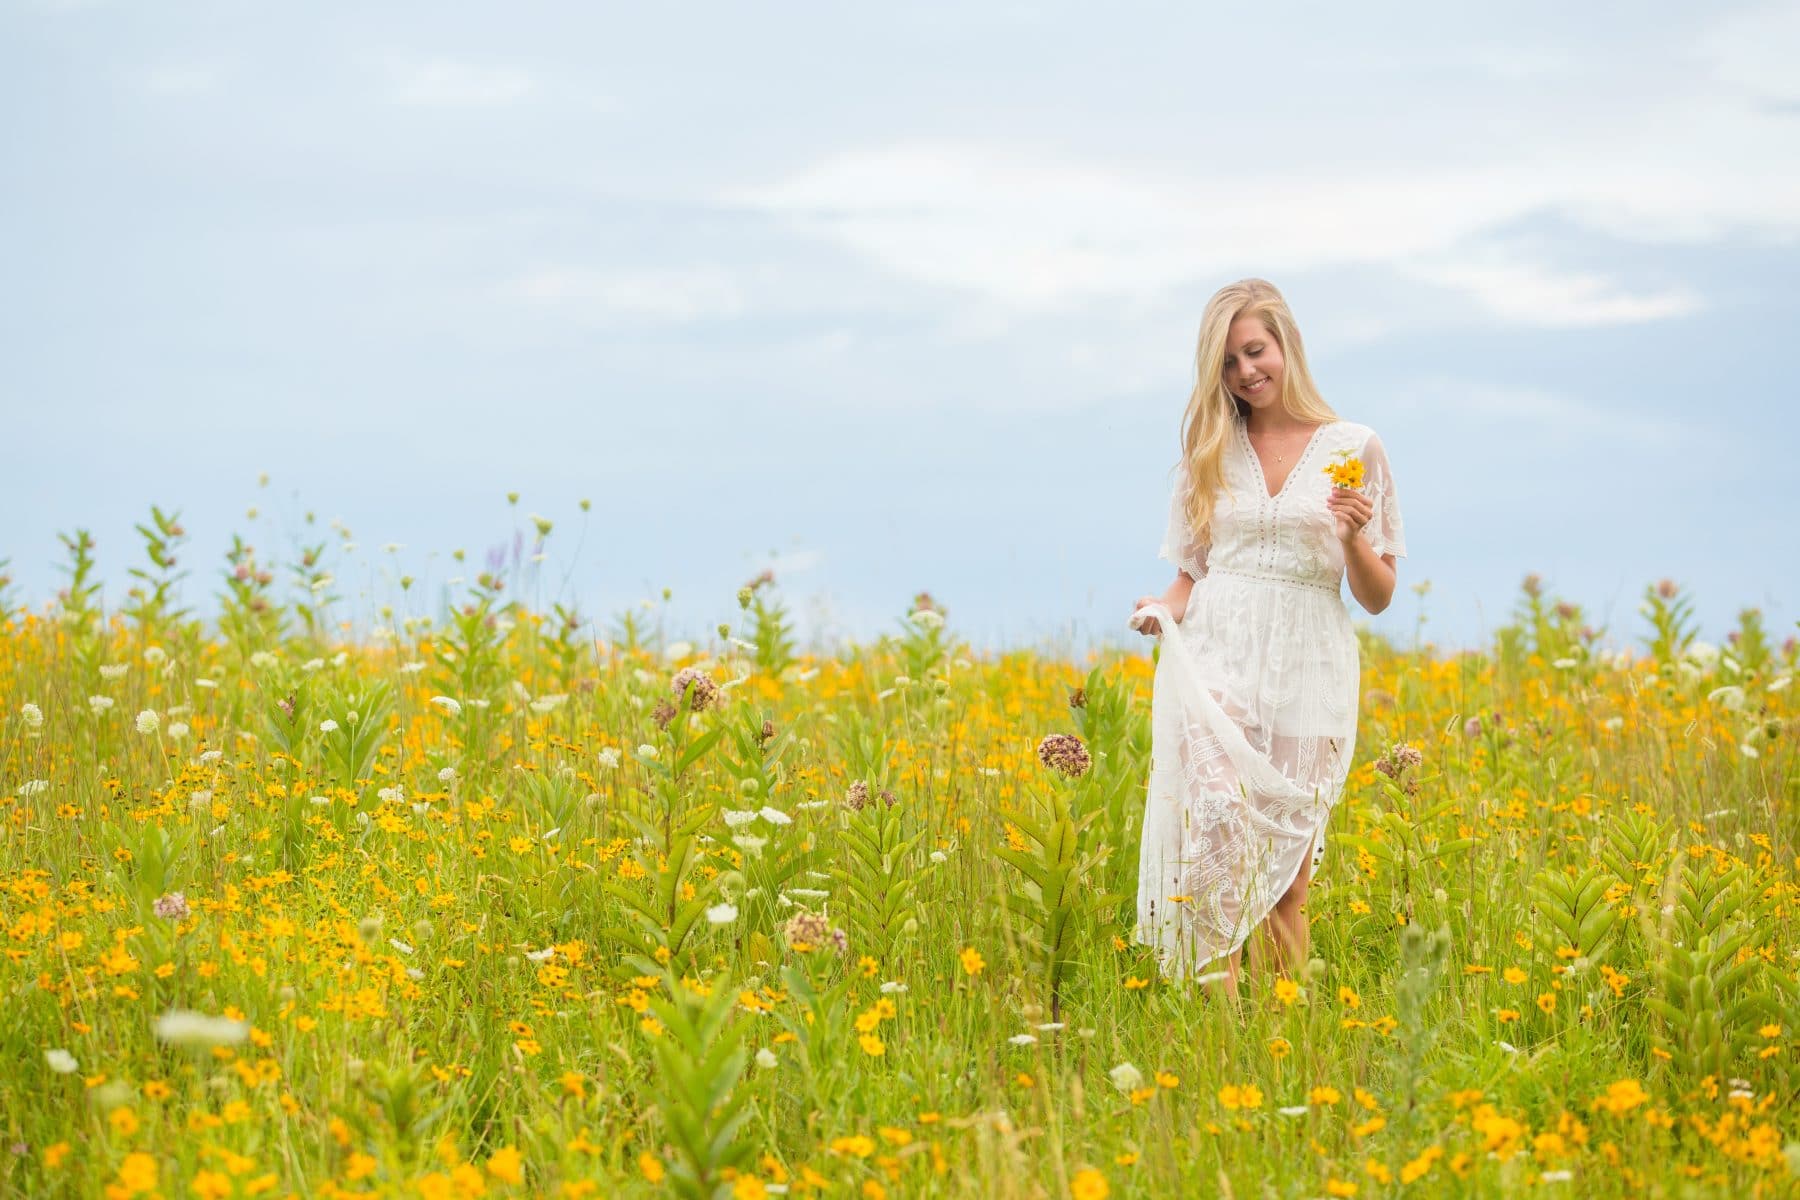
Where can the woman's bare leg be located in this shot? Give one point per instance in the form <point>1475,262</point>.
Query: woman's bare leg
<point>1288,923</point>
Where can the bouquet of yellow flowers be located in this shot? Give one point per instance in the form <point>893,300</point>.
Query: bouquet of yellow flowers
<point>1347,472</point>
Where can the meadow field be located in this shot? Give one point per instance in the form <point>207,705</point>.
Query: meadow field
<point>504,903</point>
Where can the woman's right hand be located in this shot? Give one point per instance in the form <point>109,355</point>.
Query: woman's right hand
<point>1147,624</point>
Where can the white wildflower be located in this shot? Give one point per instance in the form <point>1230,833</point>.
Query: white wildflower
<point>177,730</point>
<point>32,715</point>
<point>1126,1077</point>
<point>114,670</point>
<point>208,684</point>
<point>447,705</point>
<point>646,751</point>
<point>678,650</point>
<point>609,758</point>
<point>328,726</point>
<point>927,618</point>
<point>1556,1176</point>
<point>1293,1110</point>
<point>775,816</point>
<point>156,656</point>
<point>1023,1039</point>
<point>736,819</point>
<point>34,787</point>
<point>99,704</point>
<point>211,757</point>
<point>392,795</point>
<point>62,1062</point>
<point>313,664</point>
<point>399,945</point>
<point>722,914</point>
<point>411,668</point>
<point>1730,696</point>
<point>765,1058</point>
<point>892,987</point>
<point>183,1027</point>
<point>148,722</point>
<point>262,660</point>
<point>447,776</point>
<point>541,956</point>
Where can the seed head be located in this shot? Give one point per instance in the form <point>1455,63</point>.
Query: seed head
<point>706,692</point>
<point>1064,754</point>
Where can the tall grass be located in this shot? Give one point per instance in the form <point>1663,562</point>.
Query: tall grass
<point>496,904</point>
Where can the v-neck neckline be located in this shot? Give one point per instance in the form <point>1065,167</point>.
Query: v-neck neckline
<point>1256,462</point>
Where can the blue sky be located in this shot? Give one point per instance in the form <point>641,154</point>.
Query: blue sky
<point>895,300</point>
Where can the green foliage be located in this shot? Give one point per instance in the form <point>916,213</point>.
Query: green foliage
<point>1051,887</point>
<point>1750,647</point>
<point>875,877</point>
<point>1574,907</point>
<point>771,633</point>
<point>923,642</point>
<point>1673,627</point>
<point>1424,956</point>
<point>664,917</point>
<point>248,616</point>
<point>699,1085</point>
<point>361,718</point>
<point>151,603</point>
<point>80,611</point>
<point>1117,734</point>
<point>1712,989</point>
<point>313,594</point>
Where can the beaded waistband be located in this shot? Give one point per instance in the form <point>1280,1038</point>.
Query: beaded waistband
<point>1284,580</point>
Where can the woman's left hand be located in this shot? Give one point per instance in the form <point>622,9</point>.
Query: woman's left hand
<point>1352,510</point>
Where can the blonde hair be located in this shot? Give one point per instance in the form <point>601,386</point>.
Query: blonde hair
<point>1212,410</point>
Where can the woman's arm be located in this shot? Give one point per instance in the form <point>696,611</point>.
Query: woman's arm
<point>1371,575</point>
<point>1176,597</point>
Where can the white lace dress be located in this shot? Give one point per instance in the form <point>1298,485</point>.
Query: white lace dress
<point>1253,715</point>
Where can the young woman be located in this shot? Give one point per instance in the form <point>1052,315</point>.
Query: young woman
<point>1255,695</point>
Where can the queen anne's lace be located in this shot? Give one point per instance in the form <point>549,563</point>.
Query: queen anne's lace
<point>1253,719</point>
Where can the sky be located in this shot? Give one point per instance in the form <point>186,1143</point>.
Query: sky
<point>894,299</point>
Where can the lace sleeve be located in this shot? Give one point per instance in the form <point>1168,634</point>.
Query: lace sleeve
<point>1179,546</point>
<point>1385,530</point>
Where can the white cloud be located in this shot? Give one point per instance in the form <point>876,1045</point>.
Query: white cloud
<point>677,295</point>
<point>451,83</point>
<point>1533,293</point>
<point>1533,416</point>
<point>1045,232</point>
<point>181,79</point>
<point>795,562</point>
<point>1755,51</point>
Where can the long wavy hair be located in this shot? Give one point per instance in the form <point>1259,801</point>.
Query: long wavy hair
<point>1213,409</point>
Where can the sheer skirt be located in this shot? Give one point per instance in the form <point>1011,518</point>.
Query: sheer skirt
<point>1238,798</point>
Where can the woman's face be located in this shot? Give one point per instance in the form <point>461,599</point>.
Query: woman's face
<point>1253,363</point>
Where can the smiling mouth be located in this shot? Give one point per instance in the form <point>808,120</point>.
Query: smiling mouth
<point>1257,386</point>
